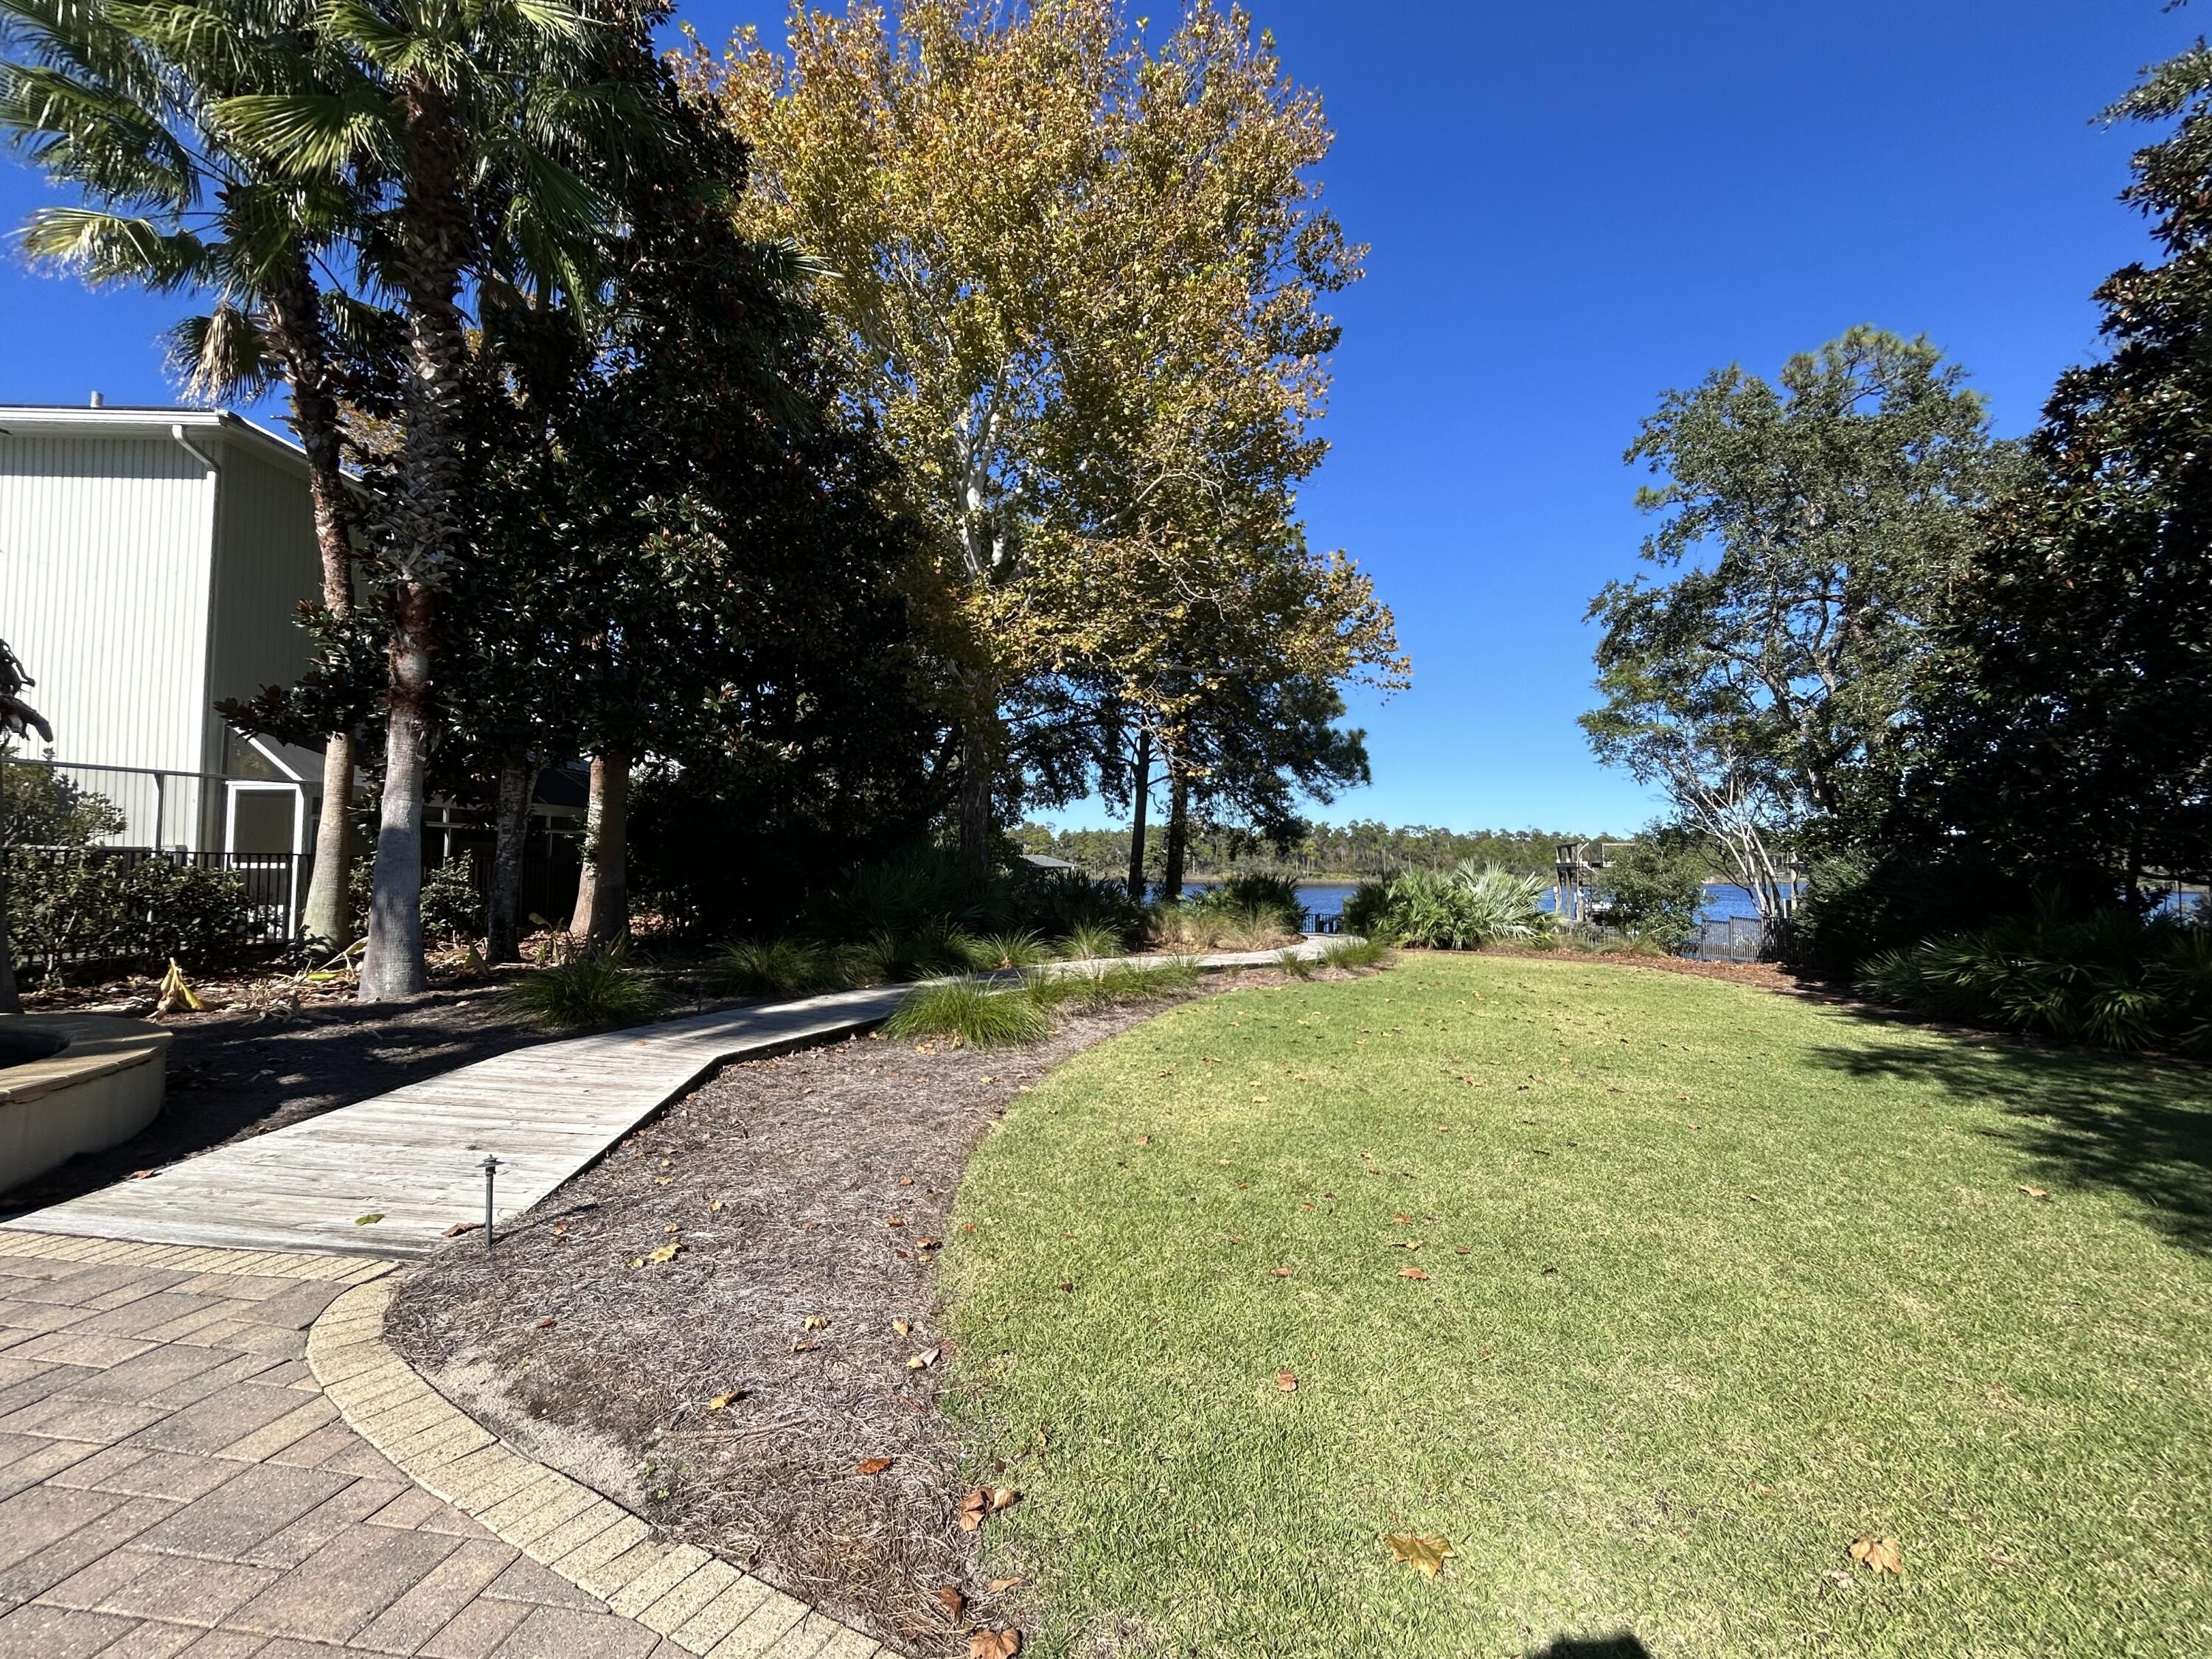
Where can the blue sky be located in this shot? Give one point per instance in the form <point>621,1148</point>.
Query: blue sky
<point>1573,207</point>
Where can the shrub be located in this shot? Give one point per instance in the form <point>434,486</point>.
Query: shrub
<point>1296,966</point>
<point>2111,978</point>
<point>1462,909</point>
<point>971,1013</point>
<point>452,908</point>
<point>587,989</point>
<point>1655,889</point>
<point>774,968</point>
<point>84,904</point>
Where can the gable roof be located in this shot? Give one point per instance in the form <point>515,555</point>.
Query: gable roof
<point>151,421</point>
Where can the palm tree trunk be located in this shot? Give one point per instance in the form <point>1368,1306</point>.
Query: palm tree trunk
<point>518,781</point>
<point>1140,792</point>
<point>392,966</point>
<point>11,1001</point>
<point>603,890</point>
<point>1178,847</point>
<point>295,325</point>
<point>437,238</point>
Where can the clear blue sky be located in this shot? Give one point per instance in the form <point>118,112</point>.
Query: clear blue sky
<point>1573,207</point>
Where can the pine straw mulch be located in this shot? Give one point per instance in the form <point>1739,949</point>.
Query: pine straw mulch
<point>809,1194</point>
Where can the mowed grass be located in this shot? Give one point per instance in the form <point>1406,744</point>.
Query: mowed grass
<point>1719,1281</point>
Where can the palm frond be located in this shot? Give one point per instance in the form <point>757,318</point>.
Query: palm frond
<point>222,355</point>
<point>114,248</point>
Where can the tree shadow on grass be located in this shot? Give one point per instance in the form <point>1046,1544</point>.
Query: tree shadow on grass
<point>2131,1124</point>
<point>1620,1646</point>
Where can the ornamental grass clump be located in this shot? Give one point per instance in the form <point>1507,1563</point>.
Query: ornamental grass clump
<point>971,1013</point>
<point>588,989</point>
<point>990,951</point>
<point>1349,955</point>
<point>774,967</point>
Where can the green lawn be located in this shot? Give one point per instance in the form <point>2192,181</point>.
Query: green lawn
<point>1744,1278</point>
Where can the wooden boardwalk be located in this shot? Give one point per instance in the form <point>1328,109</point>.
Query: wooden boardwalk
<point>413,1157</point>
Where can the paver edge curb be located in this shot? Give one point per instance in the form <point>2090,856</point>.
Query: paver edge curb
<point>699,1603</point>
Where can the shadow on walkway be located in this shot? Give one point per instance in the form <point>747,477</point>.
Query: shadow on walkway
<point>2131,1124</point>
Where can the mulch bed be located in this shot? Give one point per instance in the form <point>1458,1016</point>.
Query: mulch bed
<point>808,1194</point>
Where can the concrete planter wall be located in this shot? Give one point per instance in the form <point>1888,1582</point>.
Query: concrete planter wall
<point>71,1084</point>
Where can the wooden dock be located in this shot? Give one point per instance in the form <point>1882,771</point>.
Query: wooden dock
<point>389,1176</point>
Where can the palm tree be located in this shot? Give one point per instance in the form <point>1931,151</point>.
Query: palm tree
<point>115,100</point>
<point>484,136</point>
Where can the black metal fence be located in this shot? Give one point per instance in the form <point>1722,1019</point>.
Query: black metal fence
<point>1736,939</point>
<point>69,906</point>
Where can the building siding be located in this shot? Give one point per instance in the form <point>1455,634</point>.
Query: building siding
<point>265,564</point>
<point>104,591</point>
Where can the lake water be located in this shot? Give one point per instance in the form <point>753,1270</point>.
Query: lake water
<point>1325,899</point>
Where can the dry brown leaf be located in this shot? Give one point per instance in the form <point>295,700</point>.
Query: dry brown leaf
<point>1403,1220</point>
<point>1410,1273</point>
<point>1279,1272</point>
<point>714,1203</point>
<point>802,1345</point>
<point>667,1252</point>
<point>973,1508</point>
<point>1000,1586</point>
<point>545,1324</point>
<point>994,1644</point>
<point>954,1603</point>
<point>1425,1554</point>
<point>1147,1140</point>
<point>901,1326</point>
<point>2036,1192</point>
<point>813,1322</point>
<point>1878,1555</point>
<point>1286,1381</point>
<point>873,1465</point>
<point>924,1360</point>
<point>1003,1498</point>
<point>461,1227</point>
<point>967,1227</point>
<point>141,1175</point>
<point>723,1402</point>
<point>893,1221</point>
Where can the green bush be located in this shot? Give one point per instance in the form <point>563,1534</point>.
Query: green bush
<point>452,908</point>
<point>1462,909</point>
<point>988,952</point>
<point>2110,978</point>
<point>84,904</point>
<point>1275,896</point>
<point>774,967</point>
<point>971,1013</point>
<point>1656,888</point>
<point>590,988</point>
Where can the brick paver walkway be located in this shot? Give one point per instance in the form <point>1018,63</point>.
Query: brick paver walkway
<point>173,1482</point>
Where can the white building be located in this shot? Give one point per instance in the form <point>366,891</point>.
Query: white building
<point>152,563</point>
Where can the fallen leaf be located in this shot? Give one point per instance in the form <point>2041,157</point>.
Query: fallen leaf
<point>801,1345</point>
<point>1462,1250</point>
<point>1878,1555</point>
<point>461,1227</point>
<point>994,1644</point>
<point>2036,1192</point>
<point>1000,1586</point>
<point>813,1322</point>
<point>893,1221</point>
<point>1425,1554</point>
<point>1403,1220</point>
<point>954,1603</point>
<point>1286,1381</point>
<point>723,1402</point>
<point>1279,1272</point>
<point>662,1181</point>
<point>901,1326</point>
<point>875,1466</point>
<point>924,1360</point>
<point>714,1203</point>
<point>1147,1140</point>
<point>368,1220</point>
<point>967,1227</point>
<point>667,1252</point>
<point>1410,1273</point>
<point>141,1175</point>
<point>545,1324</point>
<point>973,1508</point>
<point>1003,1498</point>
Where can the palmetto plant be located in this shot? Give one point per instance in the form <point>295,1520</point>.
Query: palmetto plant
<point>118,102</point>
<point>1462,909</point>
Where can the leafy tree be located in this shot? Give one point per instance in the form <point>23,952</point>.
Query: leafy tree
<point>1815,526</point>
<point>2072,747</point>
<point>1655,887</point>
<point>120,102</point>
